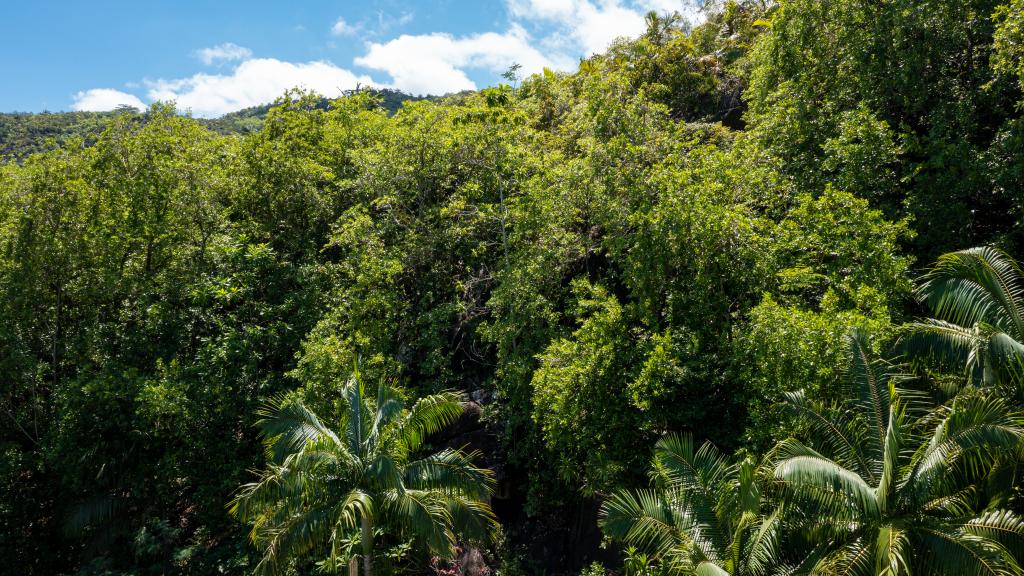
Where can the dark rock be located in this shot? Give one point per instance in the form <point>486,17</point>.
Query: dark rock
<point>471,433</point>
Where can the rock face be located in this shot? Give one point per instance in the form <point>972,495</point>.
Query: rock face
<point>470,433</point>
<point>559,542</point>
<point>469,562</point>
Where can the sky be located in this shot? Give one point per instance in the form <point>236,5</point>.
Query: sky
<point>212,57</point>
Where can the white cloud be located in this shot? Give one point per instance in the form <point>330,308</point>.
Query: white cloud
<point>437,63</point>
<point>543,9</point>
<point>563,31</point>
<point>542,33</point>
<point>103,99</point>
<point>342,28</point>
<point>599,25</point>
<point>691,10</point>
<point>386,22</point>
<point>225,52</point>
<point>253,82</point>
<point>591,25</point>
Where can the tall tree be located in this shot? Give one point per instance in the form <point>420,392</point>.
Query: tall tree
<point>893,489</point>
<point>322,489</point>
<point>703,513</point>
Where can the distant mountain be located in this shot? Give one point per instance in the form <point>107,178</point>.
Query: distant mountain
<point>251,119</point>
<point>24,133</point>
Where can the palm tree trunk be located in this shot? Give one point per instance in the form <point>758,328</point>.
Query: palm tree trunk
<point>367,538</point>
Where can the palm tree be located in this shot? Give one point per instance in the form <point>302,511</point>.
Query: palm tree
<point>702,515</point>
<point>977,298</point>
<point>322,492</point>
<point>897,496</point>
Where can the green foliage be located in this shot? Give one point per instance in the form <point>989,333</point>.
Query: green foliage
<point>322,490</point>
<point>787,348</point>
<point>660,245</point>
<point>703,515</point>
<point>588,417</point>
<point>889,487</point>
<point>24,134</point>
<point>976,297</point>
<point>899,103</point>
<point>1008,57</point>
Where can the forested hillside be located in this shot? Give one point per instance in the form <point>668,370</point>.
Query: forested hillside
<point>733,299</point>
<point>22,134</point>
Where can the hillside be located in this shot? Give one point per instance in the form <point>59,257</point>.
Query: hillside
<point>22,134</point>
<point>742,298</point>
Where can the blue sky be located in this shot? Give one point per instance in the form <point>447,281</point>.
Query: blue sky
<point>214,57</point>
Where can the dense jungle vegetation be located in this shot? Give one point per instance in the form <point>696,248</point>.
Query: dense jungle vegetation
<point>740,298</point>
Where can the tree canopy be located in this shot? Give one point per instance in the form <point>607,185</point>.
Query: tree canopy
<point>664,252</point>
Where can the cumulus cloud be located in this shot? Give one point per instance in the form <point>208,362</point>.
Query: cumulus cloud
<point>590,26</point>
<point>342,28</point>
<point>225,52</point>
<point>251,83</point>
<point>691,10</point>
<point>103,99</point>
<point>543,33</point>
<point>437,63</point>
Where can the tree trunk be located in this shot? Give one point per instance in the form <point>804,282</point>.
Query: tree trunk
<point>367,538</point>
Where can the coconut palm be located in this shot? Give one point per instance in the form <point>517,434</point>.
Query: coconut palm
<point>322,491</point>
<point>892,489</point>
<point>703,513</point>
<point>977,298</point>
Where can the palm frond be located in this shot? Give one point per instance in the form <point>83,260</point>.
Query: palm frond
<point>705,476</point>
<point>452,472</point>
<point>748,492</point>
<point>288,425</point>
<point>835,434</point>
<point>359,419</point>
<point>383,473</point>
<point>976,430</point>
<point>867,384</point>
<point>645,520</point>
<point>1002,526</point>
<point>806,563</point>
<point>853,558</point>
<point>946,550</point>
<point>320,493</point>
<point>297,535</point>
<point>428,416</point>
<point>953,505</point>
<point>709,569</point>
<point>389,407</point>
<point>1007,357</point>
<point>762,549</point>
<point>892,446</point>
<point>823,481</point>
<point>893,551</point>
<point>976,285</point>
<point>471,518</point>
<point>425,514</point>
<point>948,345</point>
